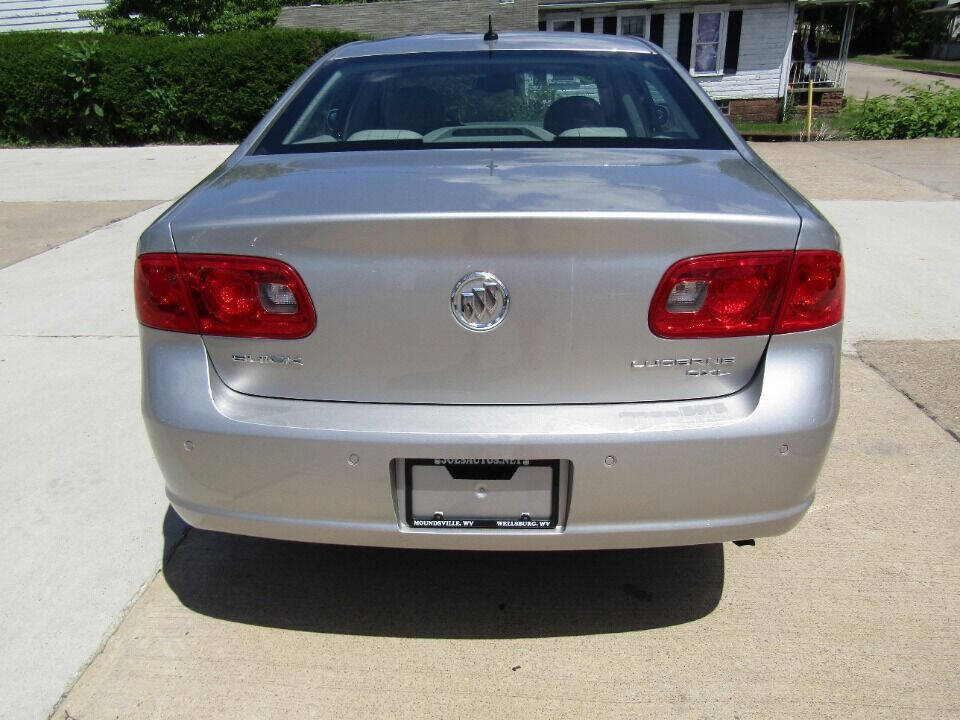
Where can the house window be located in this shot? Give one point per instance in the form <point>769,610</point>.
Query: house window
<point>598,24</point>
<point>709,26</point>
<point>631,24</point>
<point>562,25</point>
<point>634,25</point>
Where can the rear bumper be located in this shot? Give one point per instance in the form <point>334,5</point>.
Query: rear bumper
<point>741,466</point>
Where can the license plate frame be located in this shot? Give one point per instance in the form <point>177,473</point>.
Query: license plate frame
<point>481,523</point>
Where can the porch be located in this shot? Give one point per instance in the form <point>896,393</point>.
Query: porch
<point>819,52</point>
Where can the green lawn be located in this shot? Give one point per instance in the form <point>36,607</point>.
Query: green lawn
<point>902,62</point>
<point>829,126</point>
<point>790,127</point>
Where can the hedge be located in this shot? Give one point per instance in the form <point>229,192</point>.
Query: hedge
<point>92,88</point>
<point>932,111</point>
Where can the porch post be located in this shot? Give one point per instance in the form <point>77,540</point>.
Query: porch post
<point>788,52</point>
<point>845,45</point>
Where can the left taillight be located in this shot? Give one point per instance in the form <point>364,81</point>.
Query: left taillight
<point>232,295</point>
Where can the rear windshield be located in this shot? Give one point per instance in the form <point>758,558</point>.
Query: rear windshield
<point>469,99</point>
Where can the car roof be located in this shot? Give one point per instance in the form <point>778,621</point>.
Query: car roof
<point>471,42</point>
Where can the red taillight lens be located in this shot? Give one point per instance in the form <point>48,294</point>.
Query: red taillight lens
<point>231,295</point>
<point>736,294</point>
<point>160,294</point>
<point>815,294</point>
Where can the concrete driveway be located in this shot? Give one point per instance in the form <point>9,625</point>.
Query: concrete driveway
<point>873,80</point>
<point>853,614</point>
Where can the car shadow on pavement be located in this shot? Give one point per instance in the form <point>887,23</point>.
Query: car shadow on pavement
<point>440,594</point>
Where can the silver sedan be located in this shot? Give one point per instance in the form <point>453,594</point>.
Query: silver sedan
<point>524,292</point>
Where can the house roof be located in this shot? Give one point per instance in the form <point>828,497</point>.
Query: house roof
<point>585,4</point>
<point>813,3</point>
<point>576,4</point>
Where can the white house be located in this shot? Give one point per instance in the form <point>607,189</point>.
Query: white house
<point>45,14</point>
<point>747,54</point>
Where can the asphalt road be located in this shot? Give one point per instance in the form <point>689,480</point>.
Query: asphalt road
<point>852,614</point>
<point>871,80</point>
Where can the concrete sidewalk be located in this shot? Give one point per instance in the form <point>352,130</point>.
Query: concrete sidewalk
<point>921,169</point>
<point>83,495</point>
<point>863,594</point>
<point>50,196</point>
<point>151,172</point>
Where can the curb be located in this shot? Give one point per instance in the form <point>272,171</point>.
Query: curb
<point>935,73</point>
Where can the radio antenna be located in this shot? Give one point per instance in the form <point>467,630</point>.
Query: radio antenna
<point>490,35</point>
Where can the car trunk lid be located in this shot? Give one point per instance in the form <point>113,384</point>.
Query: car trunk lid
<point>579,239</point>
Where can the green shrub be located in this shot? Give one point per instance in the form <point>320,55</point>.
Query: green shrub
<point>919,112</point>
<point>134,89</point>
<point>191,17</point>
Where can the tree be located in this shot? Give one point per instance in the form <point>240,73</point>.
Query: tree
<point>885,26</point>
<point>184,17</point>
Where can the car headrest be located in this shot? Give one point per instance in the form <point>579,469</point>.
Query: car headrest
<point>416,108</point>
<point>573,112</point>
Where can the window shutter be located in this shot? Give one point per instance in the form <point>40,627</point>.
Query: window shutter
<point>732,54</point>
<point>685,40</point>
<point>656,29</point>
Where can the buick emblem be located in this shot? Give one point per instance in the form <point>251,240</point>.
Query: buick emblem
<point>479,301</point>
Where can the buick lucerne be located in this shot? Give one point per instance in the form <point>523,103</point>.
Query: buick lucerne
<point>518,292</point>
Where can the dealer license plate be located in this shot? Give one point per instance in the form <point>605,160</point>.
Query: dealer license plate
<point>471,493</point>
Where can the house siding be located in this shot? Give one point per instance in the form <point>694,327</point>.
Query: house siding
<point>671,30</point>
<point>763,41</point>
<point>45,14</point>
<point>763,45</point>
<point>409,17</point>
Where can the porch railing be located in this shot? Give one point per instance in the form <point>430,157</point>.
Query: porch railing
<point>827,73</point>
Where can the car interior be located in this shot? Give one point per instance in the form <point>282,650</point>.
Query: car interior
<point>462,103</point>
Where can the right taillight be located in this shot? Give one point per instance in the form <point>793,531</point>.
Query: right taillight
<point>814,297</point>
<point>232,295</point>
<point>749,293</point>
